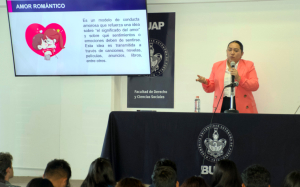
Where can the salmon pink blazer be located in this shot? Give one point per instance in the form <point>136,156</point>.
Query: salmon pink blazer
<point>244,99</point>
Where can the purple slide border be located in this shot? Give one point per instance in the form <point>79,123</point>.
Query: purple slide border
<point>76,5</point>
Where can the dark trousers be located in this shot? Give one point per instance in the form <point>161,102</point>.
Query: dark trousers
<point>226,104</point>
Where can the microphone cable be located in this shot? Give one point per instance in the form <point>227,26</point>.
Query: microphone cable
<point>297,109</point>
<point>205,153</point>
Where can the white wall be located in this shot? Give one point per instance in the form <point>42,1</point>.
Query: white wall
<point>2,3</point>
<point>85,107</point>
<point>269,31</point>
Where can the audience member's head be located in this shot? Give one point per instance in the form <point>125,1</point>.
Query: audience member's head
<point>6,169</point>
<point>194,182</point>
<point>165,162</point>
<point>130,182</point>
<point>292,179</point>
<point>39,182</point>
<point>164,176</point>
<point>226,174</point>
<point>100,174</point>
<point>256,176</point>
<point>58,172</point>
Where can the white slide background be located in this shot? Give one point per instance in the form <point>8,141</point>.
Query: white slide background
<point>72,59</point>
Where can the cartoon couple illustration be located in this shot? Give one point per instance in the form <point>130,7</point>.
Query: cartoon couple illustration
<point>46,42</point>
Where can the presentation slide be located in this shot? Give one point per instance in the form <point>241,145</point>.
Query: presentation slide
<point>75,37</point>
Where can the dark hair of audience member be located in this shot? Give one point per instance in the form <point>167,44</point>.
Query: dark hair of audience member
<point>100,174</point>
<point>292,179</point>
<point>58,168</point>
<point>194,182</point>
<point>164,176</point>
<point>165,162</point>
<point>39,182</point>
<point>226,174</point>
<point>256,176</point>
<point>130,182</point>
<point>5,162</point>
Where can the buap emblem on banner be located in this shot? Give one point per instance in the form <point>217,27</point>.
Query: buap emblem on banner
<point>159,57</point>
<point>217,145</point>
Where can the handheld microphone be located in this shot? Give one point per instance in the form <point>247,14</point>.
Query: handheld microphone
<point>232,110</point>
<point>232,64</point>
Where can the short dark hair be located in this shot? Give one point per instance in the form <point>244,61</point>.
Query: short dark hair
<point>5,162</point>
<point>39,182</point>
<point>226,174</point>
<point>100,173</point>
<point>58,168</point>
<point>292,179</point>
<point>164,176</point>
<point>130,182</point>
<point>238,42</point>
<point>256,176</point>
<point>194,182</point>
<point>165,162</point>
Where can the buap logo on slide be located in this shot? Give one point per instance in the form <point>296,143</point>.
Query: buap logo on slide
<point>219,146</point>
<point>159,57</point>
<point>45,41</point>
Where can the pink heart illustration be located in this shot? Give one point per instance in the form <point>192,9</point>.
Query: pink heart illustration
<point>50,39</point>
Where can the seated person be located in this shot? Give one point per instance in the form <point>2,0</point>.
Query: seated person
<point>292,179</point>
<point>226,174</point>
<point>164,176</point>
<point>39,182</point>
<point>100,174</point>
<point>165,162</point>
<point>6,169</point>
<point>194,182</point>
<point>256,175</point>
<point>130,182</point>
<point>58,172</point>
